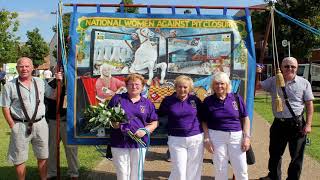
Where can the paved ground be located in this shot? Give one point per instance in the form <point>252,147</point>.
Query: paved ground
<point>157,168</point>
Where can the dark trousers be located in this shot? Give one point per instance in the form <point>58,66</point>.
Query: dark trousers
<point>281,134</point>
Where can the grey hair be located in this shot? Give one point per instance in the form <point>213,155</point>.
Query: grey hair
<point>289,59</point>
<point>24,58</point>
<point>222,77</point>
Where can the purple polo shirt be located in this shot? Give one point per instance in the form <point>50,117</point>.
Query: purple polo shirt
<point>138,115</point>
<point>183,118</point>
<point>223,115</point>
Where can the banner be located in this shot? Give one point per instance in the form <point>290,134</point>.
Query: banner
<point>160,47</point>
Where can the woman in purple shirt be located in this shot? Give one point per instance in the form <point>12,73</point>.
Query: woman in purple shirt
<point>140,113</point>
<point>226,129</point>
<point>185,132</point>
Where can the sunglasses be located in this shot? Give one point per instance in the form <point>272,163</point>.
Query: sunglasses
<point>288,66</point>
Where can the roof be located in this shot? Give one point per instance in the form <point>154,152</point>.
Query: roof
<point>46,64</point>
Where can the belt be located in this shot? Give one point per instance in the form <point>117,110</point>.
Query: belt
<point>284,119</point>
<point>24,120</point>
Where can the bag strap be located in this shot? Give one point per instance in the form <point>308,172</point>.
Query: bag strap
<point>287,102</point>
<point>236,97</point>
<point>22,104</point>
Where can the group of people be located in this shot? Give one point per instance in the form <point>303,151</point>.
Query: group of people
<point>219,124</point>
<point>23,105</point>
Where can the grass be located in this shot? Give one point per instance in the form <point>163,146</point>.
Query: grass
<point>88,157</point>
<point>262,105</point>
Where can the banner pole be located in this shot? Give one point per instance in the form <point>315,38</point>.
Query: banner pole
<point>58,66</point>
<point>166,6</point>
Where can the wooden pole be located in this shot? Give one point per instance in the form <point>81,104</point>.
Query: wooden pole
<point>265,41</point>
<point>165,6</point>
<point>262,51</point>
<point>58,69</point>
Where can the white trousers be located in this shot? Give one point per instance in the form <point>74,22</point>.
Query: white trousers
<point>186,156</point>
<point>227,146</point>
<point>126,162</point>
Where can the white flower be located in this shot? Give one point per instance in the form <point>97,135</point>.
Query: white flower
<point>117,109</point>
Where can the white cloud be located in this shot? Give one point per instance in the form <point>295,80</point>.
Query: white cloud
<point>27,16</point>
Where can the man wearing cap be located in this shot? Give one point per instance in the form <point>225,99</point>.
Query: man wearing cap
<point>289,125</point>
<point>23,108</point>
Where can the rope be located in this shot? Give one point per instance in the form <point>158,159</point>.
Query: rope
<point>141,145</point>
<point>141,164</point>
<point>299,23</point>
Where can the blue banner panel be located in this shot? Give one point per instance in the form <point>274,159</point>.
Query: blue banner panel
<point>160,47</point>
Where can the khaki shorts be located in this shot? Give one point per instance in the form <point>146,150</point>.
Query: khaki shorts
<point>19,142</point>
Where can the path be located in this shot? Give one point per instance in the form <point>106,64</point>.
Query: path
<point>157,168</point>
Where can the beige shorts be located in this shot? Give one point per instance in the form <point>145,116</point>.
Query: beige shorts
<point>19,142</point>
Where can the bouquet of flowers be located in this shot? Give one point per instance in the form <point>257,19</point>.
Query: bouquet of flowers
<point>102,117</point>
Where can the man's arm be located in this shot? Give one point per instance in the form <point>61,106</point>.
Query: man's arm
<point>309,107</point>
<point>258,79</point>
<point>7,116</point>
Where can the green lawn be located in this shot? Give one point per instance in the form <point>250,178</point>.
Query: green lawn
<point>88,157</point>
<point>262,105</point>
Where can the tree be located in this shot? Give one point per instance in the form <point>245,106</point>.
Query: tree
<point>36,48</point>
<point>302,40</point>
<point>8,41</point>
<point>128,9</point>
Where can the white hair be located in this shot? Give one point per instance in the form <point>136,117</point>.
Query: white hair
<point>290,59</point>
<point>222,77</point>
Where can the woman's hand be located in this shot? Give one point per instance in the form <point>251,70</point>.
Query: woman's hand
<point>245,144</point>
<point>115,125</point>
<point>208,145</point>
<point>140,133</point>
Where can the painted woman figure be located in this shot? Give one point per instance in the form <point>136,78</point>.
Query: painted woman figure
<point>226,129</point>
<point>106,85</point>
<point>140,113</point>
<point>185,132</point>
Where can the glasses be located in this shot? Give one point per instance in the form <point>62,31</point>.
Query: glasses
<point>288,66</point>
<point>134,85</point>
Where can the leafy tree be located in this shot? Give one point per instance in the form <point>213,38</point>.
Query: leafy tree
<point>24,51</point>
<point>35,48</point>
<point>128,9</point>
<point>8,41</point>
<point>302,40</point>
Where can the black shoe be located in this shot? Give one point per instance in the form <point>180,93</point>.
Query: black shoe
<point>265,178</point>
<point>109,153</point>
<point>168,156</point>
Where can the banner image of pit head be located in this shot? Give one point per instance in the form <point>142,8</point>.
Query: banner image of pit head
<point>106,47</point>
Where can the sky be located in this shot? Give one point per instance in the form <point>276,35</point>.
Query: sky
<point>38,13</point>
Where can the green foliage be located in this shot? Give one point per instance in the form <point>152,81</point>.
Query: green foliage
<point>8,41</point>
<point>24,51</point>
<point>35,48</point>
<point>128,9</point>
<point>302,40</point>
<point>88,158</point>
<point>101,116</point>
